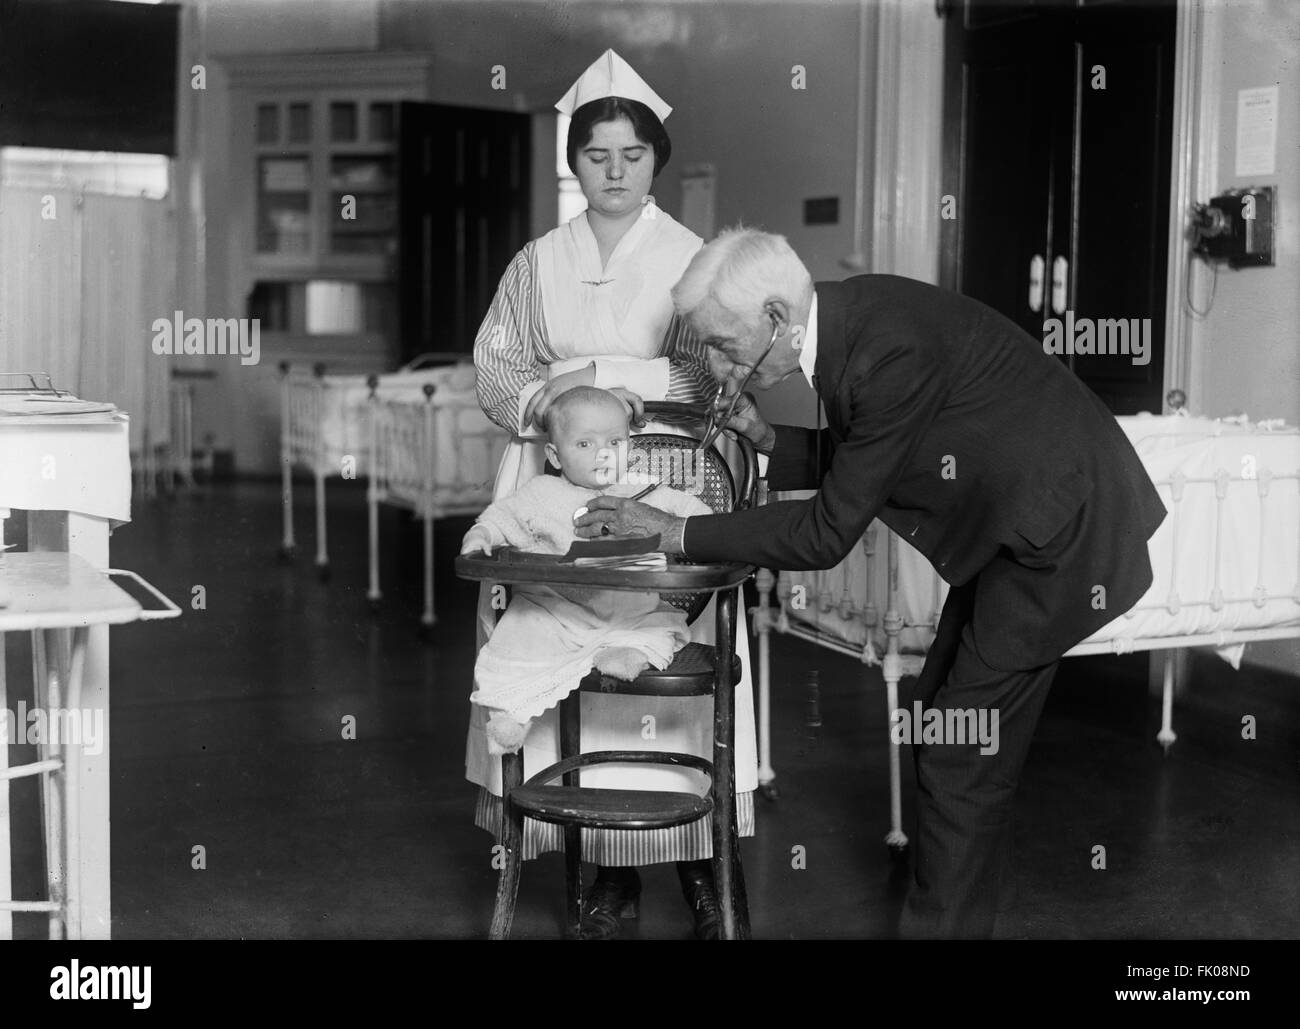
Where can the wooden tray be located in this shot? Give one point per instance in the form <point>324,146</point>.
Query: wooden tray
<point>508,565</point>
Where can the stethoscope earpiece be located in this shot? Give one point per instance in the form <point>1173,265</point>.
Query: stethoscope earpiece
<point>714,425</point>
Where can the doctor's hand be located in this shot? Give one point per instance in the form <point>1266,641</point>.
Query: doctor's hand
<point>627,518</point>
<point>535,412</point>
<point>747,421</point>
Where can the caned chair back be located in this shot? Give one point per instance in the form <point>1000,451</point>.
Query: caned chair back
<point>673,459</point>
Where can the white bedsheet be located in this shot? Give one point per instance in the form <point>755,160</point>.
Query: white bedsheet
<point>344,424</point>
<point>78,463</point>
<point>1219,566</point>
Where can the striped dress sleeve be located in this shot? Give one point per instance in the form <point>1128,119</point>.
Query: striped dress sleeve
<point>511,349</point>
<point>689,378</point>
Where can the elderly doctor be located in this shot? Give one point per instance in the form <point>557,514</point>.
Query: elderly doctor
<point>950,424</point>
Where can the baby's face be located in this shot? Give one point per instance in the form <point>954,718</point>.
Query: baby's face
<point>590,445</point>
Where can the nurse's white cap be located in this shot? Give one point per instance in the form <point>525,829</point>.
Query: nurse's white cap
<point>610,75</point>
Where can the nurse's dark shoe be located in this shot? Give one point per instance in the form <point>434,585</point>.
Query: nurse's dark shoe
<point>616,894</point>
<point>697,886</point>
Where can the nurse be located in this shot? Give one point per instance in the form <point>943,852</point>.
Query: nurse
<point>588,304</point>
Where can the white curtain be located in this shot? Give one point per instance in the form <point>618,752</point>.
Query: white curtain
<point>79,291</point>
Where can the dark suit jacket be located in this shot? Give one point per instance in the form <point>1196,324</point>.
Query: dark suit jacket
<point>950,424</point>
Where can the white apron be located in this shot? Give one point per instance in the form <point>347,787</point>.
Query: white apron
<point>624,321</point>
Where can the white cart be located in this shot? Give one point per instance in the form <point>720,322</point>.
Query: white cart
<point>49,595</point>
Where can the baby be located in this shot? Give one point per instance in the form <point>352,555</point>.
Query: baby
<point>550,637</point>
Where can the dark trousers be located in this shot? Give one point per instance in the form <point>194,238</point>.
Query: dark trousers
<point>961,851</point>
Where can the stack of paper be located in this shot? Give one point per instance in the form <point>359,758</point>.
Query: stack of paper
<point>657,562</point>
<point>27,405</point>
<point>636,552</point>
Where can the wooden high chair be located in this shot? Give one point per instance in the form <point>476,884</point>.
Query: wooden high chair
<point>697,670</point>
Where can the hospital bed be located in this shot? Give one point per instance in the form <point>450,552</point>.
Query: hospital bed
<point>436,456</point>
<point>1226,565</point>
<point>325,428</point>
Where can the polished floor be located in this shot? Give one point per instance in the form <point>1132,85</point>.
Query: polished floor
<point>228,734</point>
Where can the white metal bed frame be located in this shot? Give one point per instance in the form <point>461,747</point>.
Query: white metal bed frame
<point>303,406</point>
<point>397,446</point>
<point>409,471</point>
<point>883,629</point>
<point>302,444</point>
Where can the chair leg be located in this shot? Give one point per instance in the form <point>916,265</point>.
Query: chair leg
<point>286,505</point>
<point>572,879</point>
<point>322,548</point>
<point>512,838</point>
<point>427,618</point>
<point>741,899</point>
<point>373,594</point>
<point>723,867</point>
<point>570,745</point>
<point>724,766</point>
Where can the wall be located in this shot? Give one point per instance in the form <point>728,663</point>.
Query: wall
<point>726,68</point>
<point>1249,345</point>
<point>1247,350</point>
<point>731,89</point>
<point>289,26</point>
<point>720,67</point>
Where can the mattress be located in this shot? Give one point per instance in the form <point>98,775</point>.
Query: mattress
<point>342,417</point>
<point>1226,559</point>
<point>467,448</point>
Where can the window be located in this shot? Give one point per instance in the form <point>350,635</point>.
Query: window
<point>300,123</point>
<point>343,122</point>
<point>383,122</point>
<point>132,175</point>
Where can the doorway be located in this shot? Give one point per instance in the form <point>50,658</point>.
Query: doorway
<point>1058,125</point>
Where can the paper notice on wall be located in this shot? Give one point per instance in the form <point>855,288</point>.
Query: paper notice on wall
<point>1256,131</point>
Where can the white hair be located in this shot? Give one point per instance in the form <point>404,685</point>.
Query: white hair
<point>742,269</point>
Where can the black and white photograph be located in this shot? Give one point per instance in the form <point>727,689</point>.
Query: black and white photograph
<point>674,470</point>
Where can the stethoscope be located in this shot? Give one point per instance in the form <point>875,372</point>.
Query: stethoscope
<point>714,425</point>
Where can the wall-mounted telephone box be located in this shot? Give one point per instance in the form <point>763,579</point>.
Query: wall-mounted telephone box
<point>1238,226</point>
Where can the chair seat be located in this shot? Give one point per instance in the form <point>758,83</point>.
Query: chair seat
<point>689,675</point>
<point>609,809</point>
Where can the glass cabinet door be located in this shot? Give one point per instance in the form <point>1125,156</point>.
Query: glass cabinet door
<point>284,205</point>
<point>326,184</point>
<point>363,195</point>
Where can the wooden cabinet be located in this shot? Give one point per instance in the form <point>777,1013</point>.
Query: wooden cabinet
<point>314,195</point>
<point>326,184</point>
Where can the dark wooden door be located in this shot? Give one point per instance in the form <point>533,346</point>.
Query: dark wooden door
<point>1058,135</point>
<point>464,202</point>
<point>1119,207</point>
<point>998,161</point>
